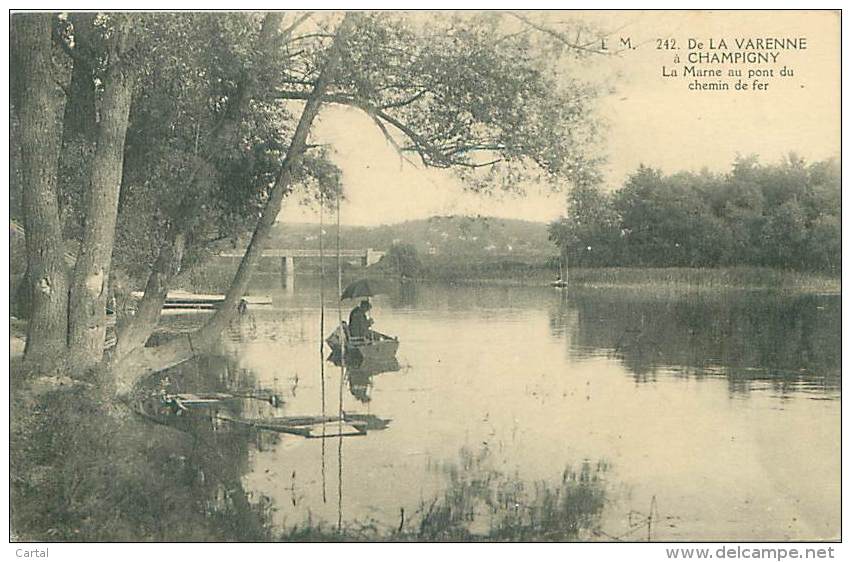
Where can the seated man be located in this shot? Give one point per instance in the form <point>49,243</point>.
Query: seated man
<point>359,320</point>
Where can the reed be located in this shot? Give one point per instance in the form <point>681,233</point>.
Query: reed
<point>678,278</point>
<point>481,503</point>
<point>707,278</point>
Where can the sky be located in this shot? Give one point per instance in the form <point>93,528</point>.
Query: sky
<point>650,119</point>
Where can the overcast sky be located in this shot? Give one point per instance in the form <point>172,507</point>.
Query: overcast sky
<point>652,120</point>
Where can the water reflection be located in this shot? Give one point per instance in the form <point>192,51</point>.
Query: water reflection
<point>477,500</point>
<point>790,343</point>
<point>482,502</point>
<point>408,295</point>
<point>540,378</point>
<point>360,378</point>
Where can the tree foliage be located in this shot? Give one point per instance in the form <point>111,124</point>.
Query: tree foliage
<point>785,215</point>
<point>218,131</point>
<point>467,92</point>
<point>403,260</point>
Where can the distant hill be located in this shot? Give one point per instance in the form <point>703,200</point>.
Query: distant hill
<point>454,236</point>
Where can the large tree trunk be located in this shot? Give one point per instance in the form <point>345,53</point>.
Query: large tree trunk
<point>135,331</point>
<point>79,119</point>
<point>39,105</point>
<point>79,129</point>
<point>143,361</point>
<point>87,317</point>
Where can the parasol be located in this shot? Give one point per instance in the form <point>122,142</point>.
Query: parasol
<point>362,288</point>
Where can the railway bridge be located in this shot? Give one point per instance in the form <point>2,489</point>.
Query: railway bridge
<point>288,256</point>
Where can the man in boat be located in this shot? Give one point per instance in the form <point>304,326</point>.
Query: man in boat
<point>359,320</point>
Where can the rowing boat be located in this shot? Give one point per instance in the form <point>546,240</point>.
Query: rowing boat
<point>376,348</point>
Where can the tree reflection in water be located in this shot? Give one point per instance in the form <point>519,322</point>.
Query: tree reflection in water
<point>788,341</point>
<point>120,477</point>
<point>114,476</point>
<point>481,502</point>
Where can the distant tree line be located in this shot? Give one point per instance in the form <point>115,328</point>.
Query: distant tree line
<point>785,215</point>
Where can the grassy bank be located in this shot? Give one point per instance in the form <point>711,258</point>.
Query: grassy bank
<point>707,278</point>
<point>673,278</point>
<point>539,272</point>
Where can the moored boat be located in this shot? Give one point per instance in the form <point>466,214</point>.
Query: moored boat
<point>208,301</point>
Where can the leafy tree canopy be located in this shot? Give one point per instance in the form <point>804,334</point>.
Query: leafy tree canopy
<point>214,110</point>
<point>784,215</point>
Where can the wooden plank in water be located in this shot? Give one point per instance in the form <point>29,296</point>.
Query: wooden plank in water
<point>207,395</point>
<point>334,429</point>
<point>314,430</point>
<point>302,420</point>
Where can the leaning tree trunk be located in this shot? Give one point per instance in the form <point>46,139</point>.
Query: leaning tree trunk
<point>143,361</point>
<point>135,330</point>
<point>87,315</point>
<point>39,105</point>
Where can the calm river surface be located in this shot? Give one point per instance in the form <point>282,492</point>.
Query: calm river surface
<point>701,417</point>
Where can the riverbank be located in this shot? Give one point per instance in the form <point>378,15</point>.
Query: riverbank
<point>669,278</point>
<point>532,272</point>
<point>707,278</point>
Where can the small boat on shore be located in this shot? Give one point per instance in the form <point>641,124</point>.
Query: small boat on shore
<point>202,301</point>
<point>378,348</point>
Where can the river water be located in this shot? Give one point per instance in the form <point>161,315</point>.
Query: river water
<point>700,416</point>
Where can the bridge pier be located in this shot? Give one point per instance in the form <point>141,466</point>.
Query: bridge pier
<point>371,257</point>
<point>287,269</point>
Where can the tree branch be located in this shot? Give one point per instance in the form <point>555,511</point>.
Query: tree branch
<point>558,36</point>
<point>430,154</point>
<point>289,30</point>
<point>383,128</point>
<point>409,101</point>
<point>311,36</point>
